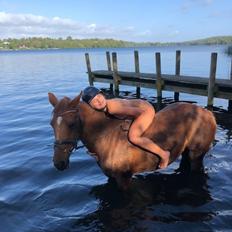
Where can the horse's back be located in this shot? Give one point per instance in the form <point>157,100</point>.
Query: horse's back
<point>182,125</point>
<point>176,127</point>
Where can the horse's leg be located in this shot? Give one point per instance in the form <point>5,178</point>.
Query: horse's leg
<point>185,162</point>
<point>123,180</point>
<point>191,161</point>
<point>196,161</point>
<point>112,180</point>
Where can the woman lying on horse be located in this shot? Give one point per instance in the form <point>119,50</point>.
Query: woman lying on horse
<point>140,111</point>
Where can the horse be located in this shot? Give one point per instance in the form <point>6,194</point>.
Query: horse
<point>182,128</point>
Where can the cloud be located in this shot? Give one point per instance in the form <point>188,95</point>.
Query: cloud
<point>189,4</point>
<point>174,33</point>
<point>29,25</point>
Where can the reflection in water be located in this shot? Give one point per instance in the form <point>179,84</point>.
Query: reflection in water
<point>35,197</point>
<point>157,199</point>
<point>153,198</point>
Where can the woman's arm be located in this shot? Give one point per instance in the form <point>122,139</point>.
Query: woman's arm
<point>123,108</point>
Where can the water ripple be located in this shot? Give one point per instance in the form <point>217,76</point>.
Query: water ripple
<point>36,197</point>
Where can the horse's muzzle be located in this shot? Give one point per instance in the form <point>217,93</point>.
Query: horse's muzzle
<point>61,165</point>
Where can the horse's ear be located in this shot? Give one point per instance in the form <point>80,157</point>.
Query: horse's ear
<point>75,101</point>
<point>52,99</point>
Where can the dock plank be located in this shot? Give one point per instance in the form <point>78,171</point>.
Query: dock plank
<point>181,83</point>
<point>166,77</point>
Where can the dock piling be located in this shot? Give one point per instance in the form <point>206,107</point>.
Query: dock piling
<point>158,76</point>
<point>109,67</point>
<point>137,71</point>
<point>177,72</point>
<point>116,77</point>
<point>212,78</point>
<point>89,69</point>
<point>230,101</point>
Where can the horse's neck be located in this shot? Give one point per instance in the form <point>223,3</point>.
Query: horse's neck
<point>94,125</point>
<point>104,137</point>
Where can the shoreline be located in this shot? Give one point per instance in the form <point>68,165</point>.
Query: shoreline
<point>114,47</point>
<point>40,43</point>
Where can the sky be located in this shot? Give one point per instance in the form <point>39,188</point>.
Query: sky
<point>131,20</point>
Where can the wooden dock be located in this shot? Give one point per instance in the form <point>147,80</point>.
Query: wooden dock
<point>210,87</point>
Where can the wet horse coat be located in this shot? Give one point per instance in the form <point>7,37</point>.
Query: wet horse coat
<point>181,128</point>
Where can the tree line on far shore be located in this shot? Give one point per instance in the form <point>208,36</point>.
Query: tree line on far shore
<point>69,42</point>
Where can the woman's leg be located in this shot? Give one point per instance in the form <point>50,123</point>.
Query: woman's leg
<point>138,127</point>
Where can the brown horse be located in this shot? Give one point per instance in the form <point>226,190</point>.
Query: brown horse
<point>181,128</point>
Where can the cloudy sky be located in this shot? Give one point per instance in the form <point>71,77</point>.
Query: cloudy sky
<point>133,20</point>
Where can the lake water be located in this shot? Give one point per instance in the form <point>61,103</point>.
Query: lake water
<point>34,196</point>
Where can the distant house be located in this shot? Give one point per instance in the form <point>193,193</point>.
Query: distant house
<point>6,43</point>
<point>23,46</point>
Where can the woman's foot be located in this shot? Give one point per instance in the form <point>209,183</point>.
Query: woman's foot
<point>164,160</point>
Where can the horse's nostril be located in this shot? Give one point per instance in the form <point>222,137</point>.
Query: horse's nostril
<point>61,165</point>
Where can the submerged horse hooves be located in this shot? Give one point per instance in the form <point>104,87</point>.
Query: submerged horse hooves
<point>182,128</point>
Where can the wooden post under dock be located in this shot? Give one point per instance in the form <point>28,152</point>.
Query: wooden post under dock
<point>210,87</point>
<point>230,101</point>
<point>109,67</point>
<point>137,71</point>
<point>89,69</point>
<point>116,77</point>
<point>158,76</point>
<point>212,78</point>
<point>177,72</point>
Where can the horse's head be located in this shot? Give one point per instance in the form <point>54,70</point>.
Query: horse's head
<point>66,125</point>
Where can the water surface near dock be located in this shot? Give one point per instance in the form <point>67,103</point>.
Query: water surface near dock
<point>36,197</point>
